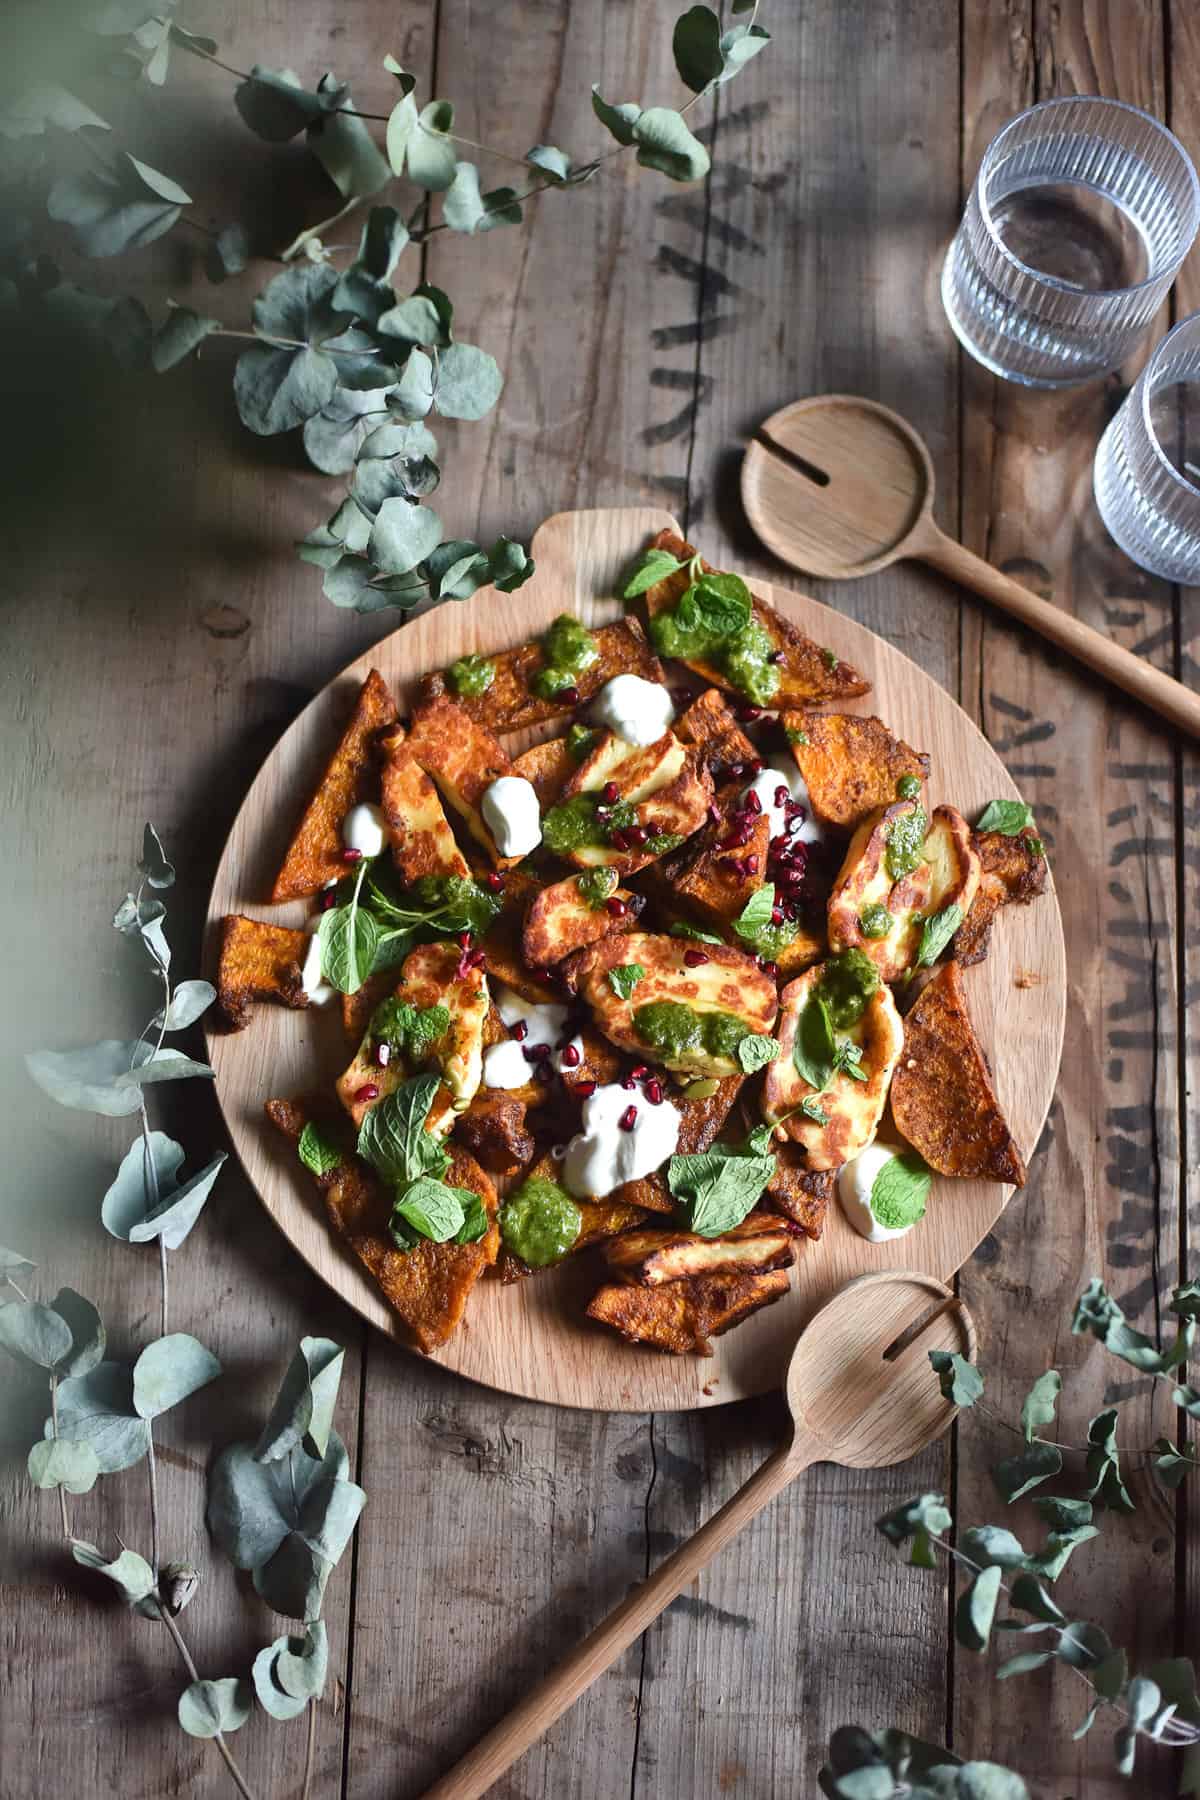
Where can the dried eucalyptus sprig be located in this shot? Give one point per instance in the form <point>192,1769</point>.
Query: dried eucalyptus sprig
<point>336,353</point>
<point>1160,1703</point>
<point>282,1507</point>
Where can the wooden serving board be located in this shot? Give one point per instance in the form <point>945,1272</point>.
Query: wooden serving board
<point>532,1338</point>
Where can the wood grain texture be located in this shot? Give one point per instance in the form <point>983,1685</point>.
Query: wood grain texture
<point>530,1338</point>
<point>1105,1195</point>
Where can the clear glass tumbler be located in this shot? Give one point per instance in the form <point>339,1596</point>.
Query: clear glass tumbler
<point>1082,211</point>
<point>1147,471</point>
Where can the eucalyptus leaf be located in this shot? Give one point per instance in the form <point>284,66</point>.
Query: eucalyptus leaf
<point>1052,1558</point>
<point>29,110</point>
<point>211,1708</point>
<point>348,583</point>
<point>189,1002</point>
<point>303,1663</point>
<point>183,332</point>
<point>350,526</point>
<point>163,1065</point>
<point>55,1462</point>
<point>1083,1645</point>
<point>334,437</point>
<point>168,1370</point>
<point>1023,1664</point>
<point>343,145</point>
<point>272,1697</point>
<point>976,1609</point>
<point>34,1333</point>
<point>88,1336</point>
<point>929,1514</point>
<point>465,208</point>
<point>228,253</point>
<point>665,143</point>
<point>124,1203</point>
<point>959,1380</point>
<point>275,105</point>
<point>118,208</point>
<point>14,1266</point>
<point>278,389</point>
<point>1063,1514</point>
<point>697,47</point>
<point>1104,1464</point>
<point>1110,1675</point>
<point>738,45</point>
<point>97,1408</point>
<point>412,397</point>
<point>1030,1596</point>
<point>431,157</point>
<point>303,1408</point>
<point>468,382</point>
<point>402,123</point>
<point>154,864</point>
<point>551,161</point>
<point>87,1079</point>
<point>130,1573</point>
<point>1040,1403</point>
<point>991,1546</point>
<point>402,536</point>
<point>1017,1475</point>
<point>415,321</point>
<point>619,120</point>
<point>511,566</point>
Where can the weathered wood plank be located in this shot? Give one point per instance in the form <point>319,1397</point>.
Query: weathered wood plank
<point>820,256</point>
<point>1104,1195</point>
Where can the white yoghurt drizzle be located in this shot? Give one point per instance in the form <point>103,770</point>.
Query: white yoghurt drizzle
<point>855,1181</point>
<point>766,785</point>
<point>506,1065</point>
<point>602,1156</point>
<point>318,992</point>
<point>511,813</point>
<point>364,829</point>
<point>637,710</point>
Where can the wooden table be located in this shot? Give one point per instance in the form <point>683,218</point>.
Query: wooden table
<point>159,635</point>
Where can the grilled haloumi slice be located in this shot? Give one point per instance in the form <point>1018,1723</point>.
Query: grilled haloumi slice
<point>419,833</point>
<point>948,875</point>
<point>429,977</point>
<point>651,1256</point>
<point>852,1108</point>
<point>664,781</point>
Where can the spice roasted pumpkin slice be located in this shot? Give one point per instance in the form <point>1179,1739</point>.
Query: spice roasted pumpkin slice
<point>683,1316</point>
<point>547,768</point>
<point>258,961</point>
<point>427,1287</point>
<point>943,1099</point>
<point>1013,871</point>
<point>841,1118</point>
<point>314,857</point>
<point>880,905</point>
<point>652,1256</point>
<point>850,765</point>
<point>510,704</point>
<point>419,833</point>
<point>801,1194</point>
<point>709,724</point>
<point>808,671</point>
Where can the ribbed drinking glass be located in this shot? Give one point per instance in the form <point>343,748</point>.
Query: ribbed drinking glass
<point>1147,472</point>
<point>1082,211</point>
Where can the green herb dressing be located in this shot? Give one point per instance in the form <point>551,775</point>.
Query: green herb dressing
<point>573,825</point>
<point>569,648</point>
<point>595,886</point>
<point>906,843</point>
<point>472,675</point>
<point>875,921</point>
<point>714,622</point>
<point>539,1222</point>
<point>672,1029</point>
<point>847,983</point>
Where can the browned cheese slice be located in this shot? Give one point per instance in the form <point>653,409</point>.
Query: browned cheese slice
<point>807,672</point>
<point>683,1317</point>
<point>943,1100</point>
<point>464,759</point>
<point>258,962</point>
<point>1012,872</point>
<point>314,857</point>
<point>852,1109</point>
<point>948,876</point>
<point>850,765</point>
<point>510,704</point>
<point>664,781</point>
<point>419,833</point>
<point>427,1287</point>
<point>560,920</point>
<point>652,1256</point>
<point>428,977</point>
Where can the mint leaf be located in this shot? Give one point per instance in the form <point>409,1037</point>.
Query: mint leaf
<point>936,934</point>
<point>475,1221</point>
<point>847,1059</point>
<point>432,1209</point>
<point>653,566</point>
<point>755,1052</point>
<point>393,1138</point>
<point>316,1152</point>
<point>900,1190</point>
<point>349,938</point>
<point>759,1141</point>
<point>717,1188</point>
<point>812,1109</point>
<point>1009,817</point>
<point>756,913</point>
<point>814,1054</point>
<point>624,978</point>
<point>681,929</point>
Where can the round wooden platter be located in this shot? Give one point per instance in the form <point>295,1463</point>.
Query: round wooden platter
<point>532,1338</point>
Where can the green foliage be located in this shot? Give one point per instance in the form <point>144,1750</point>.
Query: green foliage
<point>624,978</point>
<point>888,1765</point>
<point>716,1188</point>
<point>959,1380</point>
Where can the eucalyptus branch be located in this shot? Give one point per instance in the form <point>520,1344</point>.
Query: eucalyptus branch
<point>310,1752</point>
<point>62,1492</point>
<point>238,1779</point>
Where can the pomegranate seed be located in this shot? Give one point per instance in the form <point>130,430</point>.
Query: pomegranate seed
<point>618,840</point>
<point>536,1052</point>
<point>639,1073</point>
<point>548,976</point>
<point>464,940</point>
<point>777,915</point>
<point>628,1118</point>
<point>771,969</point>
<point>753,803</point>
<point>748,714</point>
<point>475,959</point>
<point>789,911</point>
<point>654,1092</point>
<point>520,1030</point>
<point>569,696</point>
<point>714,815</point>
<point>755,767</point>
<point>627,1081</point>
<point>570,1055</point>
<point>351,856</point>
<point>383,1055</point>
<point>776,657</point>
<point>694,958</point>
<point>616,909</point>
<point>584,1090</point>
<point>778,847</point>
<point>610,793</point>
<point>750,864</point>
<point>328,899</point>
<point>495,881</point>
<point>369,1092</point>
<point>781,795</point>
<point>637,836</point>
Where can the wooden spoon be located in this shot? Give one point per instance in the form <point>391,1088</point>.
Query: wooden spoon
<point>861,1393</point>
<point>839,486</point>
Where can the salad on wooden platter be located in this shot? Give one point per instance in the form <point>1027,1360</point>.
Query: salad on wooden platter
<point>657,989</point>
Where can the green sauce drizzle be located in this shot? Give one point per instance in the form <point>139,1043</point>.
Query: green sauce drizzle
<point>540,1222</point>
<point>906,843</point>
<point>908,787</point>
<point>714,622</point>
<point>875,921</point>
<point>472,675</point>
<point>848,982</point>
<point>673,1029</point>
<point>595,886</point>
<point>573,825</point>
<point>569,648</point>
<point>580,741</point>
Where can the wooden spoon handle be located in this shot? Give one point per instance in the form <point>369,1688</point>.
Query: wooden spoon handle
<point>559,1689</point>
<point>1165,696</point>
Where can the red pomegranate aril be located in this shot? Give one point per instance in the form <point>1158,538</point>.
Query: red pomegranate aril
<point>495,881</point>
<point>520,1030</point>
<point>782,796</point>
<point>748,714</point>
<point>537,1052</point>
<point>619,840</point>
<point>570,696</point>
<point>714,815</point>
<point>368,1092</point>
<point>328,899</point>
<point>777,915</point>
<point>637,835</point>
<point>639,1072</point>
<point>543,1072</point>
<point>627,1082</point>
<point>570,1056</point>
<point>771,969</point>
<point>616,909</point>
<point>351,856</point>
<point>475,959</point>
<point>753,804</point>
<point>584,1090</point>
<point>751,864</point>
<point>610,793</point>
<point>654,1091</point>
<point>775,657</point>
<point>464,940</point>
<point>755,767</point>
<point>695,958</point>
<point>628,1118</point>
<point>737,770</point>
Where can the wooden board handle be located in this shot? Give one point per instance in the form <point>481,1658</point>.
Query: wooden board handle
<point>1165,696</point>
<point>557,1691</point>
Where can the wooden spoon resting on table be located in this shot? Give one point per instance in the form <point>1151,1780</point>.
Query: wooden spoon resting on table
<point>860,1392</point>
<point>838,486</point>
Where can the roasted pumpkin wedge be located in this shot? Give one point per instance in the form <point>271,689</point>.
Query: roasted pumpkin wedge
<point>901,870</point>
<point>943,1098</point>
<point>259,961</point>
<point>419,833</point>
<point>547,768</point>
<point>652,1256</point>
<point>464,759</point>
<point>314,856</point>
<point>570,914</point>
<point>682,1317</point>
<point>801,1194</point>
<point>1013,871</point>
<point>840,1118</point>
<point>709,724</point>
<point>509,702</point>
<point>675,1003</point>
<point>850,765</point>
<point>494,1131</point>
<point>807,671</point>
<point>429,978</point>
